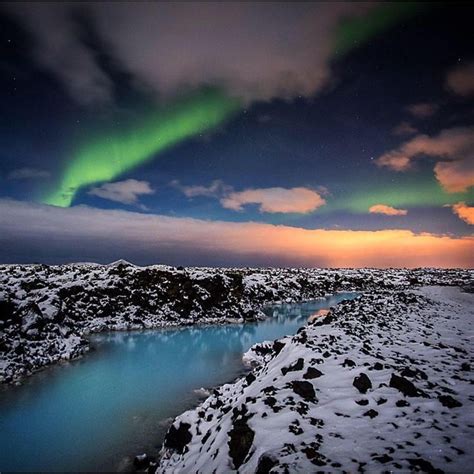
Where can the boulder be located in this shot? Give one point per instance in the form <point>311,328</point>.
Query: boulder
<point>178,438</point>
<point>362,383</point>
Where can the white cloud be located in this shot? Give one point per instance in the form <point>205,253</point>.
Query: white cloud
<point>453,149</point>
<point>215,189</point>
<point>460,80</point>
<point>301,200</point>
<point>387,210</point>
<point>126,192</point>
<point>254,50</point>
<point>28,173</point>
<point>277,199</point>
<point>84,233</point>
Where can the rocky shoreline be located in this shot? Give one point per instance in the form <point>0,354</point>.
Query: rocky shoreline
<point>382,383</point>
<point>47,312</point>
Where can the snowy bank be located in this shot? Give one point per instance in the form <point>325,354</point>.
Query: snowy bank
<point>383,382</point>
<point>46,312</point>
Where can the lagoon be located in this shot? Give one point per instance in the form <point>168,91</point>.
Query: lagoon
<point>96,413</point>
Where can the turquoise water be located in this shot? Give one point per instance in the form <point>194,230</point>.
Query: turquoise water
<point>95,413</point>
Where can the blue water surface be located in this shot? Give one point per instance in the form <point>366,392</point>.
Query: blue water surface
<point>95,413</point>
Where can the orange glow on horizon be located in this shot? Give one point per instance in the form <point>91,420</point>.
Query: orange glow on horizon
<point>242,242</point>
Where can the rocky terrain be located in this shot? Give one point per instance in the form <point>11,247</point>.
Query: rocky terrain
<point>46,312</point>
<point>382,383</point>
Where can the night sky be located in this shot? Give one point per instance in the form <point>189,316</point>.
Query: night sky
<point>307,134</point>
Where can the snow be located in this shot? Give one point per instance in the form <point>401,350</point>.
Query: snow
<point>42,305</point>
<point>422,337</point>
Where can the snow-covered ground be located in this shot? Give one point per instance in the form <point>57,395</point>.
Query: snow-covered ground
<point>382,383</point>
<point>46,312</point>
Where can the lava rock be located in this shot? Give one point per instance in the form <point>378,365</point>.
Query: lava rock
<point>312,373</point>
<point>405,386</point>
<point>141,461</point>
<point>265,464</point>
<point>178,438</point>
<point>241,438</point>
<point>449,402</point>
<point>371,413</point>
<point>304,389</point>
<point>362,383</point>
<point>298,365</point>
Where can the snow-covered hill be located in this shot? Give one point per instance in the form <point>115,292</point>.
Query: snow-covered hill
<point>382,383</point>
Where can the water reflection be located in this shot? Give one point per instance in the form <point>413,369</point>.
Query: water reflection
<point>320,313</point>
<point>119,399</point>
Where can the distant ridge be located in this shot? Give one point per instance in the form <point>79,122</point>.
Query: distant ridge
<point>120,261</point>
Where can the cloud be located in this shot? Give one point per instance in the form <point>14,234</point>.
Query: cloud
<point>422,110</point>
<point>454,148</point>
<point>387,210</point>
<point>460,80</point>
<point>464,212</point>
<point>126,192</point>
<point>28,173</point>
<point>84,233</point>
<point>59,49</point>
<point>455,176</point>
<point>301,200</point>
<point>404,128</point>
<point>256,51</point>
<point>215,189</point>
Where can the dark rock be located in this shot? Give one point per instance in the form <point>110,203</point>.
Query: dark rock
<point>408,372</point>
<point>402,403</point>
<point>371,413</point>
<point>362,402</point>
<point>178,438</point>
<point>304,389</point>
<point>250,378</point>
<point>240,438</point>
<point>265,464</point>
<point>424,465</point>
<point>405,386</point>
<point>7,310</point>
<point>316,422</point>
<point>298,365</point>
<point>449,402</point>
<point>314,456</point>
<point>141,461</point>
<point>348,363</point>
<point>312,373</point>
<point>383,459</point>
<point>270,401</point>
<point>278,346</point>
<point>362,383</point>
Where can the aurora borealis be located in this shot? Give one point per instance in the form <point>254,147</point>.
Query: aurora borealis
<point>338,128</point>
<point>116,153</point>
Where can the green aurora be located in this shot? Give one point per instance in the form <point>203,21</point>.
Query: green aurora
<point>414,192</point>
<point>354,31</point>
<point>116,153</point>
